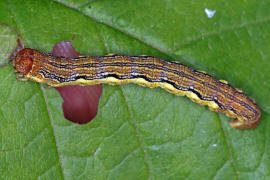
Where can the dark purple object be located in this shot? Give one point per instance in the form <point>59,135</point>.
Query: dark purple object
<point>80,102</point>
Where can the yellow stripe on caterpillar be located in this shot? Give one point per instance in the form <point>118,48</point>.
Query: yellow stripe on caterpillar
<point>146,71</point>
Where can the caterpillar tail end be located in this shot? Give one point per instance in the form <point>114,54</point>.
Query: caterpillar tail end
<point>244,124</point>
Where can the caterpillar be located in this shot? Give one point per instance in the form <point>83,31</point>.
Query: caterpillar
<point>147,71</point>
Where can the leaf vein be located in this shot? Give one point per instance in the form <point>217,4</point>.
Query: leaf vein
<point>207,35</point>
<point>234,166</point>
<point>53,131</point>
<point>138,136</point>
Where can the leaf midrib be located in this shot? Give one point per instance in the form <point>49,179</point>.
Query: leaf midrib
<point>53,131</point>
<point>196,39</point>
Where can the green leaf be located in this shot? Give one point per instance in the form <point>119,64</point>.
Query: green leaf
<point>139,133</point>
<point>8,41</point>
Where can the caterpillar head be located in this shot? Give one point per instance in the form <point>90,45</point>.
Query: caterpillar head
<point>23,62</point>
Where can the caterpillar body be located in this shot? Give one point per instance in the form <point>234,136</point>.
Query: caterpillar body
<point>142,70</point>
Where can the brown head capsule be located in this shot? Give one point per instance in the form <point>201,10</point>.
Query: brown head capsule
<point>24,61</point>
